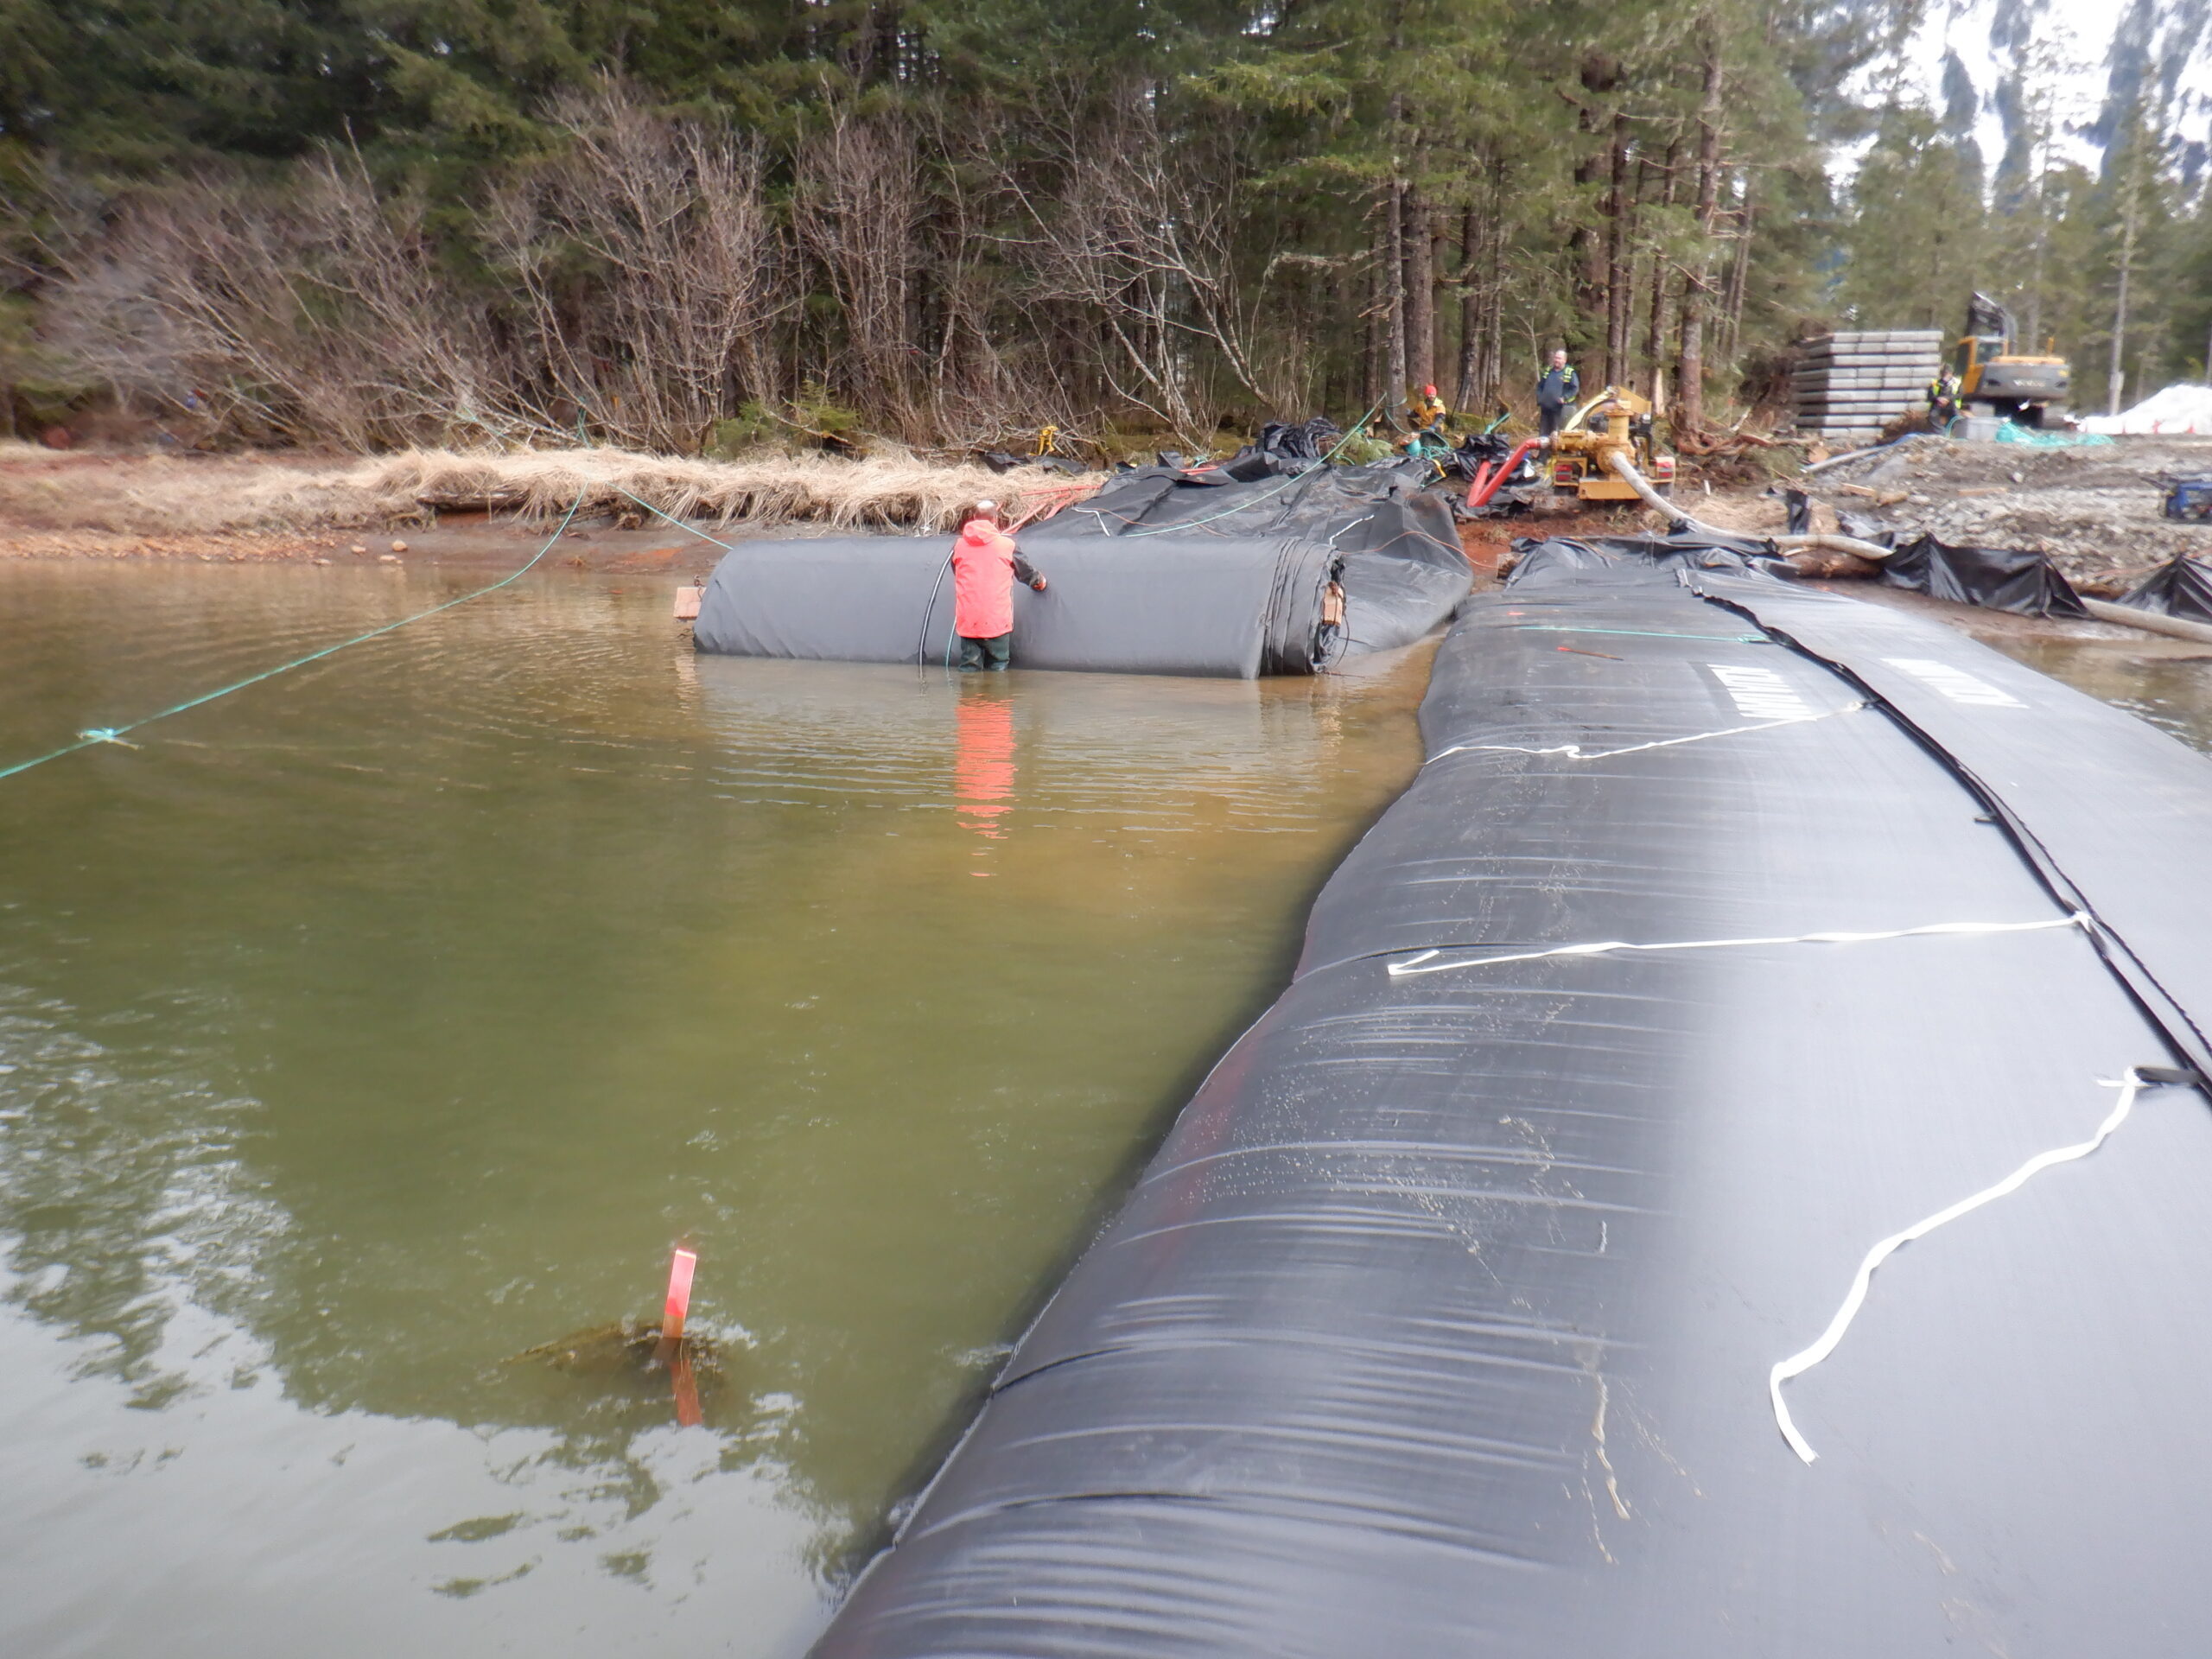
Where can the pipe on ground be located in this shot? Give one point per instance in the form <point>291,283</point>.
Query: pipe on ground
<point>2149,621</point>
<point>2104,610</point>
<point>1625,469</point>
<point>1851,545</point>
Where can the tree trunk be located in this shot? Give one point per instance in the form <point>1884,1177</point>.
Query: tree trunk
<point>1689,366</point>
<point>1420,290</point>
<point>1739,278</point>
<point>1392,273</point>
<point>1618,300</point>
<point>1599,74</point>
<point>2116,379</point>
<point>1656,340</point>
<point>1471,310</point>
<point>1374,358</point>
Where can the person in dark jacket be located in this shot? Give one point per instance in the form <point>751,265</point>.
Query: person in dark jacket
<point>1557,392</point>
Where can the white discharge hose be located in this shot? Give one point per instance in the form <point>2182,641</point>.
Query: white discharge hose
<point>2178,627</point>
<point>1677,518</point>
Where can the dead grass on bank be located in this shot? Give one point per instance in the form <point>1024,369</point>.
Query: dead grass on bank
<point>45,490</point>
<point>887,493</point>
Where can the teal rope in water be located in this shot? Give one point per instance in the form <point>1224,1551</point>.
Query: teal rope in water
<point>679,523</point>
<point>90,735</point>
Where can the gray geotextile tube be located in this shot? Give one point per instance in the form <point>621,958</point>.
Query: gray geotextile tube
<point>1235,607</point>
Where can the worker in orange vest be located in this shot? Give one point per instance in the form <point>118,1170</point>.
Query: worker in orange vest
<point>985,566</point>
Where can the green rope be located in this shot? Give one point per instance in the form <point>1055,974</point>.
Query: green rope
<point>90,735</point>
<point>679,523</point>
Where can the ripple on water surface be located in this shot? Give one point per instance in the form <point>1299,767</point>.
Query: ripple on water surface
<point>368,1028</point>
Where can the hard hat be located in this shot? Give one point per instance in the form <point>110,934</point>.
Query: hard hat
<point>1428,391</point>
<point>986,506</point>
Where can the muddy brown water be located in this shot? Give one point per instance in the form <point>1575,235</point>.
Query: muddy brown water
<point>364,1032</point>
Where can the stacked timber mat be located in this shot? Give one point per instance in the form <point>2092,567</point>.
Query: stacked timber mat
<point>1732,935</point>
<point>1164,571</point>
<point>1849,386</point>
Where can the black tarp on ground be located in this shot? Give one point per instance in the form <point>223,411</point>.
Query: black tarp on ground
<point>1539,560</point>
<point>1441,1323</point>
<point>2181,586</point>
<point>1403,570</point>
<point>1163,605</point>
<point>1995,578</point>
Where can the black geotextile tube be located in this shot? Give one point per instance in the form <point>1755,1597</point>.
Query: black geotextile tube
<point>1441,1324</point>
<point>1166,605</point>
<point>1403,569</point>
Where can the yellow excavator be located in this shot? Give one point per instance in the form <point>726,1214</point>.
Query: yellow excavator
<point>1616,421</point>
<point>1994,379</point>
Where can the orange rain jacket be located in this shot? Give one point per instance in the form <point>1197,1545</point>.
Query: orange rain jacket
<point>984,566</point>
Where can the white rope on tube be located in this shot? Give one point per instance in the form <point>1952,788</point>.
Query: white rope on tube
<point>1425,963</point>
<point>1798,1363</point>
<point>1574,751</point>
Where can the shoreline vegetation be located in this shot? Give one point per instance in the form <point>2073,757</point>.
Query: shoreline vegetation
<point>108,503</point>
<point>704,230</point>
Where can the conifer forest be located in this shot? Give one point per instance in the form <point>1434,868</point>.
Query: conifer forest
<point>690,225</point>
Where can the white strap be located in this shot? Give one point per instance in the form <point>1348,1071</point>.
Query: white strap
<point>1574,751</point>
<point>1798,1363</point>
<point>1424,962</point>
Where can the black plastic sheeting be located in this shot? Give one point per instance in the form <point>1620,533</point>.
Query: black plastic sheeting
<point>2181,586</point>
<point>1173,604</point>
<point>1403,569</point>
<point>1995,578</point>
<point>1554,559</point>
<point>1304,440</point>
<point>1441,1323</point>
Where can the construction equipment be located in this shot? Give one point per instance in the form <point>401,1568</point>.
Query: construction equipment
<point>1616,422</point>
<point>2189,499</point>
<point>1994,378</point>
<point>1496,460</point>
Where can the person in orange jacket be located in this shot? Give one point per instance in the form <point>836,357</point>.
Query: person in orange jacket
<point>985,566</point>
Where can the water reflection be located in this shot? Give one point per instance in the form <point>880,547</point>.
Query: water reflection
<point>356,1038</point>
<point>2159,681</point>
<point>983,767</point>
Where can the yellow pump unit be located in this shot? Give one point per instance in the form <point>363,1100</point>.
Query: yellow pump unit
<point>1617,419</point>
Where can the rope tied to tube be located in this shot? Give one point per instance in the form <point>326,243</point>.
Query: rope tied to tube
<point>92,734</point>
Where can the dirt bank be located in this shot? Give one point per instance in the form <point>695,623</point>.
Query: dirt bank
<point>2095,511</point>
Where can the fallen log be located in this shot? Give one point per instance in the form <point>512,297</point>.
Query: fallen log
<point>482,501</point>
